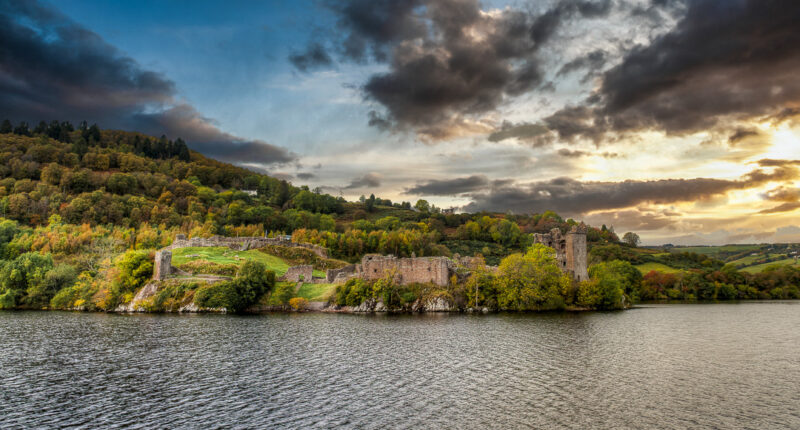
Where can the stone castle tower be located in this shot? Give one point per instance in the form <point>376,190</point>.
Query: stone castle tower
<point>570,250</point>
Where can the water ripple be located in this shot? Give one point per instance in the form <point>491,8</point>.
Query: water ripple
<point>673,367</point>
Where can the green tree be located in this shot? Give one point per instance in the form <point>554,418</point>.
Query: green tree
<point>135,269</point>
<point>6,127</point>
<point>423,206</point>
<point>369,205</point>
<point>21,277</point>
<point>532,281</point>
<point>60,277</point>
<point>632,239</point>
<point>8,229</point>
<point>610,286</point>
<point>281,193</point>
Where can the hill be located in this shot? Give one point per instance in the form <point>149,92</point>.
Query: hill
<point>82,209</point>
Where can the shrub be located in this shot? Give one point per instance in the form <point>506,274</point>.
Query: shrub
<point>135,268</point>
<point>298,303</point>
<point>209,268</point>
<point>352,293</point>
<point>252,281</point>
<point>78,294</point>
<point>283,292</point>
<point>219,295</point>
<point>172,296</point>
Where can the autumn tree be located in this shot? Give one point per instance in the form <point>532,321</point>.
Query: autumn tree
<point>532,281</point>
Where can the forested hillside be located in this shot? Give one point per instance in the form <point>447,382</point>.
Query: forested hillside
<point>83,208</point>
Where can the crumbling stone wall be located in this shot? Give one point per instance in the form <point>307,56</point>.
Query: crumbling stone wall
<point>338,275</point>
<point>243,243</point>
<point>436,270</point>
<point>303,273</point>
<point>570,250</point>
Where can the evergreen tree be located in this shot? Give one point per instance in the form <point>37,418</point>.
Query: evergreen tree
<point>6,127</point>
<point>41,128</point>
<point>22,129</point>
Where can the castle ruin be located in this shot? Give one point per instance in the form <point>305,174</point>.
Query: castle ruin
<point>436,270</point>
<point>570,250</point>
<point>570,253</point>
<point>163,259</point>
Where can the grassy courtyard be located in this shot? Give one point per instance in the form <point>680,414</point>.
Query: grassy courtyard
<point>225,255</point>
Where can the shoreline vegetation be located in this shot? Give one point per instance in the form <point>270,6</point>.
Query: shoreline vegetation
<point>83,211</point>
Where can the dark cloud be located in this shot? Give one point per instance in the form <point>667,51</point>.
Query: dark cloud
<point>53,68</point>
<point>572,197</point>
<point>522,131</point>
<point>449,187</point>
<point>314,57</point>
<point>448,62</point>
<point>657,11</point>
<point>784,207</point>
<point>771,162</point>
<point>742,133</point>
<point>370,180</point>
<point>787,114</point>
<point>574,122</point>
<point>202,136</point>
<point>592,62</point>
<point>789,197</point>
<point>305,176</point>
<point>724,61</point>
<point>545,25</point>
<point>565,152</point>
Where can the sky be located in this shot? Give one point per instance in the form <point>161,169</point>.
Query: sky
<point>676,119</point>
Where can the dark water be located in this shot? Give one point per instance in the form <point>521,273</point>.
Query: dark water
<point>670,366</point>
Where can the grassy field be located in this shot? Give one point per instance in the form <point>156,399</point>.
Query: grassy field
<point>715,250</point>
<point>316,292</point>
<point>752,258</point>
<point>225,255</point>
<point>760,267</point>
<point>647,267</point>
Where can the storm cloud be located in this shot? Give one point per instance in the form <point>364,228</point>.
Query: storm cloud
<point>724,62</point>
<point>572,197</point>
<point>370,180</point>
<point>449,61</point>
<point>53,68</point>
<point>449,187</point>
<point>521,131</point>
<point>592,62</point>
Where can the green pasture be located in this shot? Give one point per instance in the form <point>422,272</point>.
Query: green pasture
<point>648,267</point>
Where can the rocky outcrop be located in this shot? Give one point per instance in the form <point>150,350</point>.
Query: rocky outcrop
<point>136,305</point>
<point>437,304</point>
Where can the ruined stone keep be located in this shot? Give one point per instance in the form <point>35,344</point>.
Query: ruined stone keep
<point>570,250</point>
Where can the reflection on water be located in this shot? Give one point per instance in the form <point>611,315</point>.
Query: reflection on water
<point>670,366</point>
